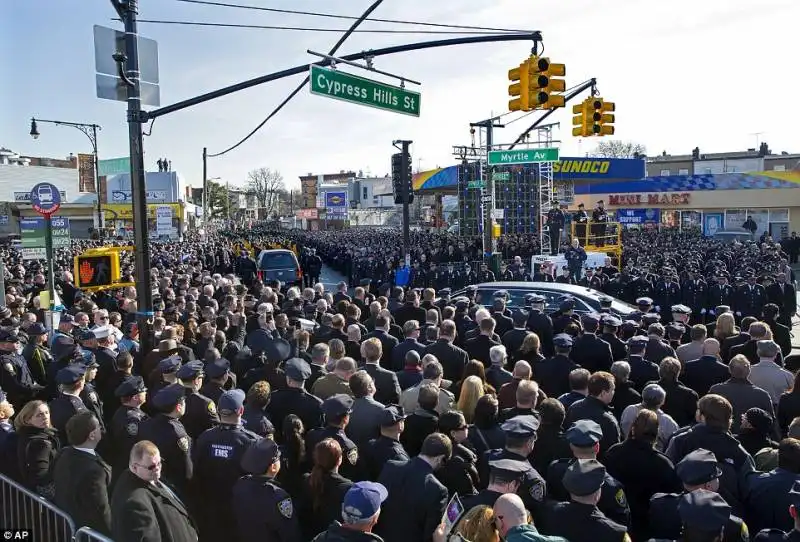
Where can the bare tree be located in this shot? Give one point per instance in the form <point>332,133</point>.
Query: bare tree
<point>615,148</point>
<point>267,186</point>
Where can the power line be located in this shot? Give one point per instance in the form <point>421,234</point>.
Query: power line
<point>310,29</point>
<point>294,93</point>
<point>345,17</point>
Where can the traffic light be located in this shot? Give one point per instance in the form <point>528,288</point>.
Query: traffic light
<point>602,119</point>
<point>545,83</point>
<point>94,271</point>
<point>402,178</point>
<point>581,119</point>
<point>519,90</point>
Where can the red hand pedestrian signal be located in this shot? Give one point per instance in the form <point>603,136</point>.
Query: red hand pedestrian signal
<point>95,271</point>
<point>86,272</point>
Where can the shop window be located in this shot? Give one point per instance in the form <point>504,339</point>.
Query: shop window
<point>707,171</point>
<point>734,218</point>
<point>683,171</point>
<point>665,173</point>
<point>780,167</point>
<point>779,215</point>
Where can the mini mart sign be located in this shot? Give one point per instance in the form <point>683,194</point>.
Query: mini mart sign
<point>681,198</point>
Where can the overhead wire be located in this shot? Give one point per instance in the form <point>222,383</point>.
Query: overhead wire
<point>300,87</point>
<point>344,17</point>
<point>311,29</point>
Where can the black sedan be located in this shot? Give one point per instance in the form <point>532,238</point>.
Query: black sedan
<point>586,299</point>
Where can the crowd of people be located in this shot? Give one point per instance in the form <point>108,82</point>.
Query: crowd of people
<point>389,408</point>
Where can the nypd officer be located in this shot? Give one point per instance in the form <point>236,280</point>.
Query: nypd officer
<point>520,434</point>
<point>776,535</point>
<point>540,323</point>
<point>68,402</point>
<point>218,373</point>
<point>294,399</point>
<point>387,446</point>
<point>216,457</point>
<point>262,509</point>
<point>166,431</point>
<point>89,394</point>
<point>337,410</point>
<point>505,476</point>
<point>201,412</point>
<point>124,427</point>
<point>699,471</point>
<point>704,516</point>
<point>165,373</point>
<point>15,376</point>
<point>579,520</point>
<point>584,438</point>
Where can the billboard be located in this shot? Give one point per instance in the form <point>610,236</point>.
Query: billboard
<point>637,216</point>
<point>335,200</point>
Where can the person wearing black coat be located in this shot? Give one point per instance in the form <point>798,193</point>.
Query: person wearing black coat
<point>82,478</point>
<point>595,407</point>
<point>323,490</point>
<point>479,346</point>
<point>145,508</point>
<point>460,473</point>
<point>422,422</point>
<point>388,343</point>
<point>681,401</point>
<point>411,332</point>
<point>588,350</point>
<point>503,323</point>
<point>642,369</point>
<point>541,324</point>
<point>410,310</point>
<point>514,338</point>
<point>552,374</point>
<point>378,452</point>
<point>624,394</point>
<point>37,447</point>
<point>551,442</point>
<point>452,358</point>
<point>387,388</point>
<point>702,373</point>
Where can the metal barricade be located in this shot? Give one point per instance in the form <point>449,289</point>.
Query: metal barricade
<point>23,509</point>
<point>85,534</point>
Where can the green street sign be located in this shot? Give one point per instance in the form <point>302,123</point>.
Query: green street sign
<point>358,90</point>
<point>113,166</point>
<point>522,156</point>
<point>476,184</point>
<point>501,176</point>
<point>32,232</point>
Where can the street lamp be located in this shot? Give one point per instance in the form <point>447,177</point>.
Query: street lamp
<point>90,131</point>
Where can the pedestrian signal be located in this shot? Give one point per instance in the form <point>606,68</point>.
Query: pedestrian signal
<point>99,269</point>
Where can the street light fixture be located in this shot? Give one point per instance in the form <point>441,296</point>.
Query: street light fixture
<point>34,129</point>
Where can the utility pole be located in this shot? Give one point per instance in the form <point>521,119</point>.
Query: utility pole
<point>128,11</point>
<point>487,196</point>
<point>402,177</point>
<point>205,186</point>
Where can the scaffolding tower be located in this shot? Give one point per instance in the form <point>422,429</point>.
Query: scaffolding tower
<point>545,194</point>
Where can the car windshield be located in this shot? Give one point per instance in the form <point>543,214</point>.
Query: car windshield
<point>276,260</point>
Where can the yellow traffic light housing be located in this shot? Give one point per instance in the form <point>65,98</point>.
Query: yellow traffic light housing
<point>519,90</point>
<point>602,119</point>
<point>497,230</point>
<point>545,83</point>
<point>580,120</point>
<point>99,269</point>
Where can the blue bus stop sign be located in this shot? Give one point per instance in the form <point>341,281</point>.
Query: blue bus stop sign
<point>45,198</point>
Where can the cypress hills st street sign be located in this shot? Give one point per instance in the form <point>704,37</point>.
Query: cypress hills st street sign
<point>359,90</point>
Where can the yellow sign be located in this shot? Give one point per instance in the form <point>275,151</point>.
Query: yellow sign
<point>118,211</point>
<point>99,269</point>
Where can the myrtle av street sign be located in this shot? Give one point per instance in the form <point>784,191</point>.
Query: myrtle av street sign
<point>522,156</point>
<point>358,90</point>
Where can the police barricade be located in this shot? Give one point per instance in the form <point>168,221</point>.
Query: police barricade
<point>22,509</point>
<point>85,534</point>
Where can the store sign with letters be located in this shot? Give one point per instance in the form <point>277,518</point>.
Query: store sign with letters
<point>681,198</point>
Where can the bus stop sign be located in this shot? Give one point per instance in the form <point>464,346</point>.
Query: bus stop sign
<point>45,199</point>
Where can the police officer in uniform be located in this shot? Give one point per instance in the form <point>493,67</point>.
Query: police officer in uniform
<point>699,471</point>
<point>505,476</point>
<point>294,399</point>
<point>201,412</point>
<point>337,410</point>
<point>520,437</point>
<point>580,520</point>
<point>611,325</point>
<point>216,457</point>
<point>124,427</point>
<point>261,508</point>
<point>68,402</point>
<point>89,394</point>
<point>704,516</point>
<point>589,351</point>
<point>555,223</point>
<point>218,372</point>
<point>540,323</point>
<point>580,218</point>
<point>584,440</point>
<point>167,368</point>
<point>776,535</point>
<point>387,446</point>
<point>15,376</point>
<point>166,431</point>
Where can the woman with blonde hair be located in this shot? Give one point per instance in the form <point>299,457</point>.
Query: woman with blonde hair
<point>477,525</point>
<point>530,350</point>
<point>726,327</point>
<point>37,447</point>
<point>337,352</point>
<point>471,391</point>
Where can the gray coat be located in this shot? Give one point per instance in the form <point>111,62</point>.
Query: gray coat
<point>743,395</point>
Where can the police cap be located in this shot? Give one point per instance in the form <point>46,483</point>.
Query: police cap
<point>584,433</point>
<point>337,405</point>
<point>584,477</point>
<point>681,309</point>
<point>101,332</point>
<point>391,415</point>
<point>231,400</point>
<point>218,367</point>
<point>644,301</point>
<point>509,469</point>
<point>88,359</point>
<point>704,510</point>
<point>651,318</point>
<point>462,303</point>
<point>365,282</point>
<point>167,397</point>
<point>169,364</point>
<point>277,350</point>
<point>563,340</point>
<point>535,298</point>
<point>297,369</point>
<point>132,385</point>
<point>500,294</point>
<point>66,318</point>
<point>191,370</point>
<point>638,341</point>
<point>260,455</point>
<point>698,467</point>
<point>611,321</point>
<point>520,427</point>
<point>70,374</point>
<point>567,303</point>
<point>606,301</point>
<point>86,335</point>
<point>590,319</point>
<point>7,336</point>
<point>36,329</point>
<point>445,292</point>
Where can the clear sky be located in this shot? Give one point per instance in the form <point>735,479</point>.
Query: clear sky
<point>684,73</point>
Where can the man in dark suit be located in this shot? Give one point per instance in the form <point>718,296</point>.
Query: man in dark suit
<point>341,294</point>
<point>478,347</point>
<point>411,333</point>
<point>387,389</point>
<point>589,351</point>
<point>611,325</point>
<point>552,374</point>
<point>388,343</point>
<point>81,476</point>
<point>416,499</point>
<point>784,295</point>
<point>702,373</point>
<point>514,338</point>
<point>410,310</point>
<point>540,323</point>
<point>452,358</point>
<point>143,507</point>
<point>780,333</point>
<point>503,323</point>
<point>758,332</point>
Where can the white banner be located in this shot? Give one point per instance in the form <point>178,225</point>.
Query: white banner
<point>163,220</point>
